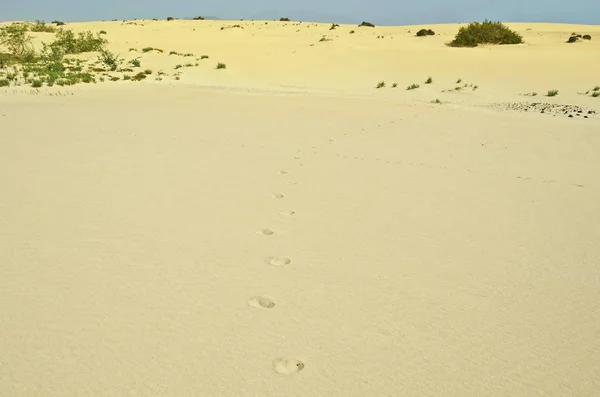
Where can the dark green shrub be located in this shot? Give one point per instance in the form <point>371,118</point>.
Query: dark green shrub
<point>170,18</point>
<point>198,19</point>
<point>425,32</point>
<point>284,19</point>
<point>587,37</point>
<point>486,32</point>
<point>4,83</point>
<point>367,24</point>
<point>572,39</point>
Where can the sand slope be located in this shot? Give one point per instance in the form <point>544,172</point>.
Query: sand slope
<point>159,239</point>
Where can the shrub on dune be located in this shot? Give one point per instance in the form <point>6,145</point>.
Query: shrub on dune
<point>486,32</point>
<point>425,32</point>
<point>367,24</point>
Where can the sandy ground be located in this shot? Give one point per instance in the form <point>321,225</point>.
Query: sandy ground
<point>297,231</point>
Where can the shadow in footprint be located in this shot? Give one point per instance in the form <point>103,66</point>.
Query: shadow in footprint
<point>287,366</point>
<point>279,261</point>
<point>261,302</point>
<point>265,232</point>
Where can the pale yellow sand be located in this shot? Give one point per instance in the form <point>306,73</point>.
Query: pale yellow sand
<point>161,239</point>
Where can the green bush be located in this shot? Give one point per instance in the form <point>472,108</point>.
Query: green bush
<point>486,32</point>
<point>425,32</point>
<point>4,83</point>
<point>552,93</point>
<point>587,37</point>
<point>17,40</point>
<point>221,66</point>
<point>367,24</point>
<point>83,42</point>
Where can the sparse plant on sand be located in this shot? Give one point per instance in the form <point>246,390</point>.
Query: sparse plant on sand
<point>204,57</point>
<point>486,32</point>
<point>429,80</point>
<point>4,82</point>
<point>436,101</point>
<point>173,53</point>
<point>178,67</point>
<point>586,37</point>
<point>367,24</point>
<point>381,84</point>
<point>147,49</point>
<point>36,83</point>
<point>40,26</point>
<point>413,86</point>
<point>132,49</point>
<point>394,85</point>
<point>147,71</point>
<point>552,93</point>
<point>126,77</point>
<point>110,60</point>
<point>595,94</point>
<point>135,63</point>
<point>221,65</point>
<point>352,32</point>
<point>459,81</point>
<point>170,19</point>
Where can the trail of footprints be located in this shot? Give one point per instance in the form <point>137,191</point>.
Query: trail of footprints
<point>281,365</point>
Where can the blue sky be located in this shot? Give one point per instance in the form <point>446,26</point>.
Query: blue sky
<point>382,12</point>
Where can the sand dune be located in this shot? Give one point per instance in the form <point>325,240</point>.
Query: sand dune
<point>282,227</point>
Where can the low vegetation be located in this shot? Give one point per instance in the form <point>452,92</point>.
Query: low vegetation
<point>57,61</point>
<point>413,86</point>
<point>367,24</point>
<point>576,37</point>
<point>221,66</point>
<point>486,32</point>
<point>381,84</point>
<point>425,32</point>
<point>552,93</point>
<point>429,80</point>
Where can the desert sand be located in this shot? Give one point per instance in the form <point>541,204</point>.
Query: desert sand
<point>283,228</point>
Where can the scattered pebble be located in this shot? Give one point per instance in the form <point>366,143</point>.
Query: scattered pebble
<point>546,108</point>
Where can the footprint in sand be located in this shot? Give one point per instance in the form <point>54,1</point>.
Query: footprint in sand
<point>278,196</point>
<point>287,213</point>
<point>279,261</point>
<point>287,366</point>
<point>283,172</point>
<point>261,302</point>
<point>265,232</point>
